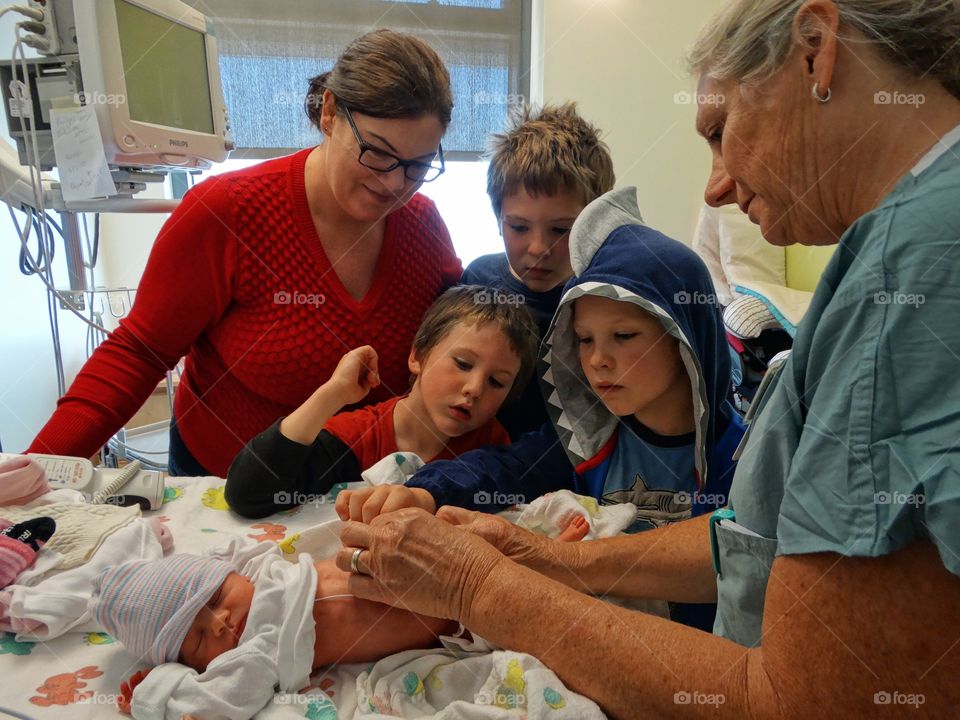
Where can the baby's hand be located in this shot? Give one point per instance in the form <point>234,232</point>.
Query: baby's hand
<point>356,374</point>
<point>367,503</point>
<point>126,690</point>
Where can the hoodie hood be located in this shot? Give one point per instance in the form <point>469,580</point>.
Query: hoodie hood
<point>615,255</point>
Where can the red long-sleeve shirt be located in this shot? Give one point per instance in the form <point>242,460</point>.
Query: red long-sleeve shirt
<point>239,283</point>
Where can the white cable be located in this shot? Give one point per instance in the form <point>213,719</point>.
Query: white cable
<point>127,474</point>
<point>24,114</point>
<point>28,123</point>
<point>33,13</point>
<point>39,273</point>
<point>25,234</point>
<point>35,41</point>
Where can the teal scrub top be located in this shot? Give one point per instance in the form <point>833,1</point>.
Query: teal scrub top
<point>856,449</point>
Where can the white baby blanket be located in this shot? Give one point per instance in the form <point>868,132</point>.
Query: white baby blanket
<point>393,469</point>
<point>487,686</point>
<point>549,515</point>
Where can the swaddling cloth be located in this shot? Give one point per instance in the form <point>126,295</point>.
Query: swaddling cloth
<point>393,469</point>
<point>550,514</point>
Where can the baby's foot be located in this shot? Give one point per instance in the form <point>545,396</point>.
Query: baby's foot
<point>576,530</point>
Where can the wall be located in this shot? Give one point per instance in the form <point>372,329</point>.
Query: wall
<point>622,61</point>
<point>805,265</point>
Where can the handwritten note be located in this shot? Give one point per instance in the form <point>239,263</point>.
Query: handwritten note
<point>78,148</point>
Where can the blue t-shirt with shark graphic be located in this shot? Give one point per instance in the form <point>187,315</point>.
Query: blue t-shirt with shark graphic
<point>654,472</point>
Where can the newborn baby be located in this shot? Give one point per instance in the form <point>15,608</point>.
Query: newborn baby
<point>348,629</point>
<point>225,631</point>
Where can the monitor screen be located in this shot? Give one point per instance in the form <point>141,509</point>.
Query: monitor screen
<point>165,67</point>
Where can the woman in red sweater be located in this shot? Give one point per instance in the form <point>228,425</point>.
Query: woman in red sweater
<point>264,277</point>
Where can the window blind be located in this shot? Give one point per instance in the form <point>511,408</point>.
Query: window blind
<point>269,50</point>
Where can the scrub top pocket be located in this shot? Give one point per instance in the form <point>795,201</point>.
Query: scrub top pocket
<point>745,560</point>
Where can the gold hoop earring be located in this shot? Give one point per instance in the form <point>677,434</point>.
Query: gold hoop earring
<point>817,96</point>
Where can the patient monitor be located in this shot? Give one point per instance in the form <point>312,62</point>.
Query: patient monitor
<point>160,58</point>
<point>149,69</point>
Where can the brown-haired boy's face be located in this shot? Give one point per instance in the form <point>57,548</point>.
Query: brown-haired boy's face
<point>536,232</point>
<point>464,378</point>
<point>633,364</point>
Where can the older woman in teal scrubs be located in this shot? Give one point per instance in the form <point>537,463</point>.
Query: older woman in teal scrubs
<point>836,568</point>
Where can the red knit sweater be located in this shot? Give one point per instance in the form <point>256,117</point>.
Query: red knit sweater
<point>239,283</point>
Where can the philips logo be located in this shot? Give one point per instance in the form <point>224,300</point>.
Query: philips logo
<point>179,143</point>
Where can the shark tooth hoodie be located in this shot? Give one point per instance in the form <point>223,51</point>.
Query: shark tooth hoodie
<point>616,459</point>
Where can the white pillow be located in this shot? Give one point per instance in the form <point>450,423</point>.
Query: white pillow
<point>735,252</point>
<point>748,316</point>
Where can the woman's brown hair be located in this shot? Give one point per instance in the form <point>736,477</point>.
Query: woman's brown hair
<point>386,74</point>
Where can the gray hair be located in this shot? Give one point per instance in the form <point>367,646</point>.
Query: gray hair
<point>749,40</point>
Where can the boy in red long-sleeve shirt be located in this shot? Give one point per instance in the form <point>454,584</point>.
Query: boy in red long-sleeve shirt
<point>471,353</point>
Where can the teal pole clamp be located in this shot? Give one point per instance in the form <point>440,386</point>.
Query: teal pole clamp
<point>715,518</point>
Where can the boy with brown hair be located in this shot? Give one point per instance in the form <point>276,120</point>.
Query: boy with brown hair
<point>468,356</point>
<point>545,167</point>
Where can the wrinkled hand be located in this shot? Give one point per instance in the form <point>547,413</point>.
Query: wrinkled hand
<point>517,543</point>
<point>365,504</point>
<point>356,374</point>
<point>126,690</point>
<point>415,561</point>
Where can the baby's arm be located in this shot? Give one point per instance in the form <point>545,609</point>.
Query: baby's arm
<point>351,630</point>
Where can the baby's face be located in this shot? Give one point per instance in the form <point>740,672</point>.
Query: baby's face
<point>219,624</point>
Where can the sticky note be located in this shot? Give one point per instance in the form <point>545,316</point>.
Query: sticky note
<point>78,148</point>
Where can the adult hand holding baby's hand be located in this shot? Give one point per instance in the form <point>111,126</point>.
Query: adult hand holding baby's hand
<point>411,559</point>
<point>356,374</point>
<point>365,504</point>
<point>126,690</point>
<point>517,543</point>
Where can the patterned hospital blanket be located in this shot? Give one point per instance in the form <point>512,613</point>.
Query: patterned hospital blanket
<point>77,675</point>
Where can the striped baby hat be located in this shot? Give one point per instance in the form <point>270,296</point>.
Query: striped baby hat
<point>149,605</point>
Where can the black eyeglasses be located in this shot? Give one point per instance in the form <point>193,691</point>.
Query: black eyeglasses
<point>382,161</point>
